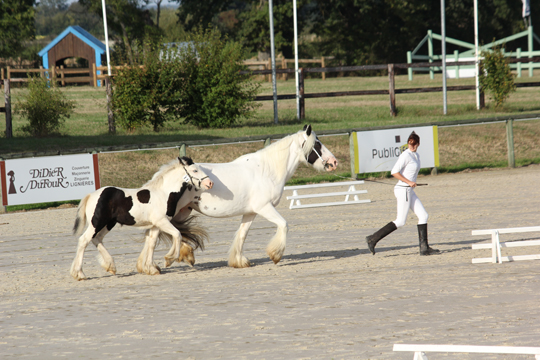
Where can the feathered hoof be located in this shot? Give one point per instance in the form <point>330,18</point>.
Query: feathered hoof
<point>112,270</point>
<point>243,262</point>
<point>186,255</point>
<point>153,270</point>
<point>78,275</point>
<point>275,256</point>
<point>169,261</point>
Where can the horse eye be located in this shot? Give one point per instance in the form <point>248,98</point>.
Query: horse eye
<point>196,171</point>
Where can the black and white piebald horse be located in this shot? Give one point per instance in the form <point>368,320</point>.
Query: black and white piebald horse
<point>253,184</point>
<point>152,206</point>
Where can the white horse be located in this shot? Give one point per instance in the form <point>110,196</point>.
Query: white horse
<point>253,185</point>
<point>152,206</point>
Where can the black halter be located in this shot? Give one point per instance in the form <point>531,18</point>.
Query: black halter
<point>189,178</point>
<point>313,149</point>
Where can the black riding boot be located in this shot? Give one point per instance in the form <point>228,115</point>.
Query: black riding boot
<point>422,237</point>
<point>372,240</point>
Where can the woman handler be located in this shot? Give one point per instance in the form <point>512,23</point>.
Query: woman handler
<point>406,171</point>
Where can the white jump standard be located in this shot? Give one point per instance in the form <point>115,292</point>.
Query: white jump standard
<point>420,349</point>
<point>496,244</point>
<point>295,198</point>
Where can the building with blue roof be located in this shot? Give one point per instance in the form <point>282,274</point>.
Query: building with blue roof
<point>74,42</point>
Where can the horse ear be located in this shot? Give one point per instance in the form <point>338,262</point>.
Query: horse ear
<point>307,128</point>
<point>184,160</point>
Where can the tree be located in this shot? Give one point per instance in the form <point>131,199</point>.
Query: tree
<point>215,94</point>
<point>496,76</point>
<point>16,26</point>
<point>128,22</point>
<point>152,93</point>
<point>54,16</point>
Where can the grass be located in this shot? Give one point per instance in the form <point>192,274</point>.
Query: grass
<point>460,148</point>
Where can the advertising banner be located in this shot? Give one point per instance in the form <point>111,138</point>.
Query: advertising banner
<point>378,150</point>
<point>48,179</point>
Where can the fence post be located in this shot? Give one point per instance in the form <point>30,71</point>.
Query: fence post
<point>482,99</point>
<point>7,99</point>
<point>323,65</point>
<point>456,59</point>
<point>284,66</point>
<point>62,75</point>
<point>409,61</point>
<point>110,116</point>
<point>182,152</point>
<point>391,89</point>
<point>94,74</point>
<point>8,76</point>
<point>518,65</point>
<point>530,44</point>
<point>301,93</point>
<point>430,53</point>
<point>1,78</point>
<point>510,142</point>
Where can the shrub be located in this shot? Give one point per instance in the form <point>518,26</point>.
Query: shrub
<point>45,107</point>
<point>148,94</point>
<point>495,75</point>
<point>216,94</point>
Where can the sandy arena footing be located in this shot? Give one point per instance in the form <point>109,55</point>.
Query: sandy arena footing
<point>328,298</point>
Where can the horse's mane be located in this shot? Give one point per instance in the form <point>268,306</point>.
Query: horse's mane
<point>275,156</point>
<point>157,179</point>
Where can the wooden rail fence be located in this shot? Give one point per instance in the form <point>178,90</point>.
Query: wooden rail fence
<point>392,91</point>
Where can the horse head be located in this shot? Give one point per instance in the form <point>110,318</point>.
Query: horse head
<point>195,175</point>
<point>316,154</point>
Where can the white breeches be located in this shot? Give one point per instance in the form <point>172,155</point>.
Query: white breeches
<point>407,199</point>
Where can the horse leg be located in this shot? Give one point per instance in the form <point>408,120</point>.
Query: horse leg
<point>145,263</point>
<point>276,246</point>
<point>104,258</point>
<point>174,253</point>
<point>76,267</point>
<point>236,258</point>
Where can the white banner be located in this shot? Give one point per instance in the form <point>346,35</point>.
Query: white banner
<point>378,150</point>
<point>47,179</point>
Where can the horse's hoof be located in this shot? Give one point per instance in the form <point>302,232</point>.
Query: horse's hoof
<point>168,262</point>
<point>240,264</point>
<point>153,270</point>
<point>186,255</point>
<point>79,276</point>
<point>112,270</point>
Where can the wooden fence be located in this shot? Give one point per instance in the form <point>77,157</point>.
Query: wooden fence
<point>99,73</point>
<point>61,74</point>
<point>392,91</point>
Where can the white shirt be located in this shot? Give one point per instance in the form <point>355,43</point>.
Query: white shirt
<point>408,165</point>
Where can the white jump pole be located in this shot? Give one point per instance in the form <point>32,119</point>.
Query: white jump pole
<point>443,34</point>
<point>273,57</point>
<point>106,37</point>
<point>296,62</point>
<point>477,66</point>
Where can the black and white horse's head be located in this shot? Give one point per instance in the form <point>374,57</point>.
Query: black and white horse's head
<point>315,153</point>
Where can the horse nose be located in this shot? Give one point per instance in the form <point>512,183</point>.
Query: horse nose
<point>333,163</point>
<point>210,184</point>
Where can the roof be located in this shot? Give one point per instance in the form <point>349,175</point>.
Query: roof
<point>79,32</point>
